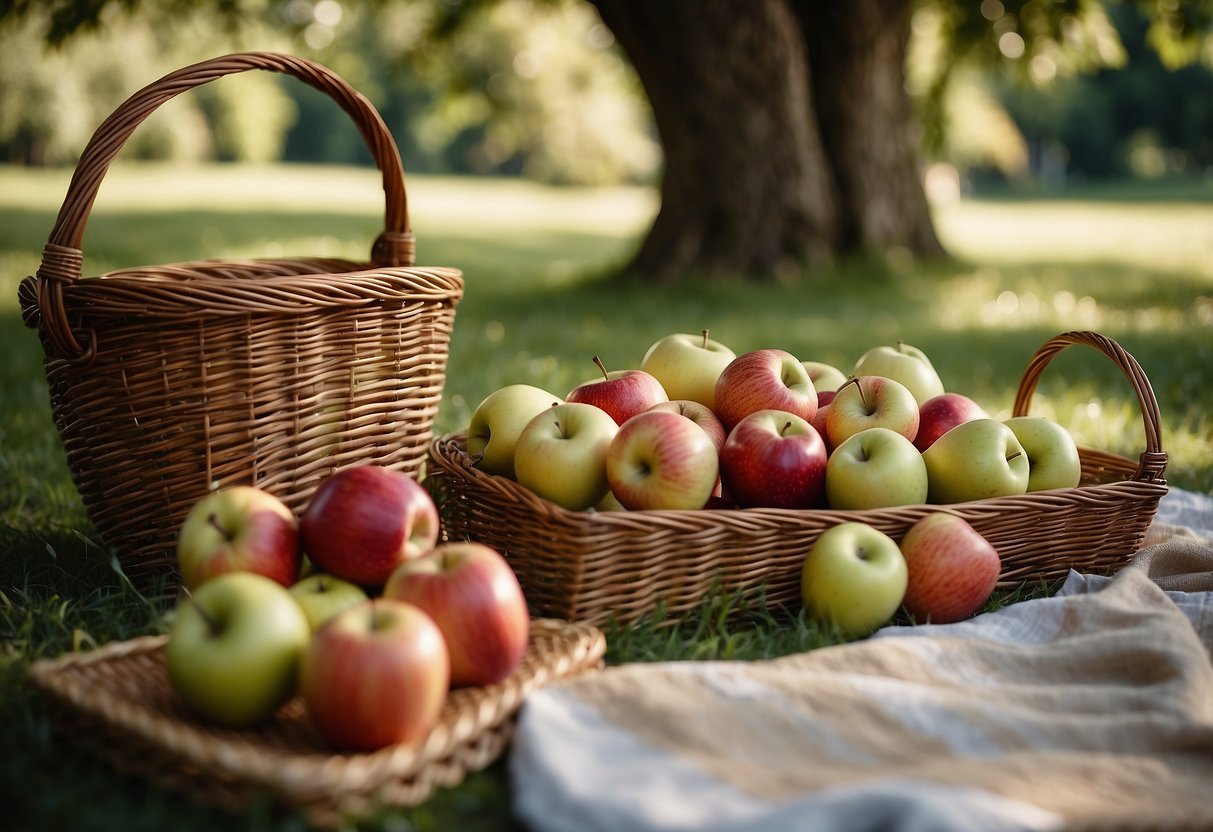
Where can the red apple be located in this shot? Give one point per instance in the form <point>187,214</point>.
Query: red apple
<point>774,458</point>
<point>952,569</point>
<point>764,380</point>
<point>243,529</point>
<point>375,674</point>
<point>662,460</point>
<point>871,402</point>
<point>621,393</point>
<point>941,413</point>
<point>474,597</point>
<point>824,398</point>
<point>700,414</point>
<point>364,521</point>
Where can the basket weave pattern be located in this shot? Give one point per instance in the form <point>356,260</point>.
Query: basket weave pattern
<point>119,697</point>
<point>597,566</point>
<point>168,381</point>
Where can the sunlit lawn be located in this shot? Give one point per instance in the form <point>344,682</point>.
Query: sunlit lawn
<point>538,306</point>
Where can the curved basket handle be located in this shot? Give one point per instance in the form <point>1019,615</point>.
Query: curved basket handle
<point>1153,461</point>
<point>63,260</point>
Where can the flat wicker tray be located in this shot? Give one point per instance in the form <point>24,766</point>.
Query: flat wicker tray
<point>119,698</point>
<point>626,565</point>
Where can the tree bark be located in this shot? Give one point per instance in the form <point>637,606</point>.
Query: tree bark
<point>747,189</point>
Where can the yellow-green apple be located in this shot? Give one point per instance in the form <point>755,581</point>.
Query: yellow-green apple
<point>322,596</point>
<point>871,402</point>
<point>975,460</point>
<point>904,363</point>
<point>234,646</point>
<point>621,393</point>
<point>700,414</point>
<point>475,599</point>
<point>374,675</point>
<point>941,413</point>
<point>662,460</point>
<point>774,458</point>
<point>687,366</point>
<point>1053,460</point>
<point>496,422</point>
<point>853,579</point>
<point>561,454</point>
<point>952,569</point>
<point>362,522</point>
<point>825,377</point>
<point>767,379</point>
<point>241,528</point>
<point>875,468</point>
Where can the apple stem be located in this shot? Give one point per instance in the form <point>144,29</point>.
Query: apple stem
<point>784,431</point>
<point>213,519</point>
<point>1014,455</point>
<point>705,339</point>
<point>211,624</point>
<point>601,366</point>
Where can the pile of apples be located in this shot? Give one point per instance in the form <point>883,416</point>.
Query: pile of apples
<point>697,426</point>
<point>354,606</point>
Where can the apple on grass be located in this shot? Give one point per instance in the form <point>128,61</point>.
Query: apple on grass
<point>941,413</point>
<point>699,414</point>
<point>975,460</point>
<point>905,364</point>
<point>322,596</point>
<point>362,522</point>
<point>1053,459</point>
<point>952,569</point>
<point>233,648</point>
<point>871,402</point>
<point>474,597</point>
<point>374,675</point>
<point>776,459</point>
<point>496,422</point>
<point>687,366</point>
<point>826,378</point>
<point>662,460</point>
<point>621,393</point>
<point>241,528</point>
<point>767,379</point>
<point>875,468</point>
<point>853,579</point>
<point>561,454</point>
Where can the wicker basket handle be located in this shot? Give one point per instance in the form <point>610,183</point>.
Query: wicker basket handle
<point>1153,461</point>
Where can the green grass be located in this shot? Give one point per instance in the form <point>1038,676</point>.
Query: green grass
<point>1135,264</point>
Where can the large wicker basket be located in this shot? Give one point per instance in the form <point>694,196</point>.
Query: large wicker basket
<point>169,381</point>
<point>626,566</point>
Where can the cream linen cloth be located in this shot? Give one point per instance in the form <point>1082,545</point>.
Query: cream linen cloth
<point>1090,709</point>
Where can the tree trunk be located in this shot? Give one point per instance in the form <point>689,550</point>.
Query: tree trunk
<point>788,135</point>
<point>747,189</point>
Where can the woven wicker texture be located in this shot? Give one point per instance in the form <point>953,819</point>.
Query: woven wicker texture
<point>595,566</point>
<point>120,699</point>
<point>167,381</point>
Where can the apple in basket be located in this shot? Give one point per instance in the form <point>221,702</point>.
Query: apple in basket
<point>233,648</point>
<point>776,459</point>
<point>498,420</point>
<point>952,569</point>
<point>322,596</point>
<point>768,379</point>
<point>853,579</point>
<point>700,414</point>
<point>375,674</point>
<point>241,528</point>
<point>561,454</point>
<point>871,402</point>
<point>975,460</point>
<point>621,393</point>
<point>475,599</point>
<point>1053,460</point>
<point>363,522</point>
<point>826,378</point>
<point>662,460</point>
<point>905,364</point>
<point>688,366</point>
<point>940,414</point>
<point>875,468</point>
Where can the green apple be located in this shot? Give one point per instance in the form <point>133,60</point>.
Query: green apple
<point>496,422</point>
<point>688,366</point>
<point>825,377</point>
<point>322,596</point>
<point>975,460</point>
<point>875,468</point>
<point>904,363</point>
<point>1053,460</point>
<point>234,648</point>
<point>561,454</point>
<point>854,579</point>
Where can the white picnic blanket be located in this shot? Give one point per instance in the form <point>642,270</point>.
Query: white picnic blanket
<point>1089,709</point>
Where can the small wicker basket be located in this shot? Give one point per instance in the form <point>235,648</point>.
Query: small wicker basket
<point>625,565</point>
<point>169,381</point>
